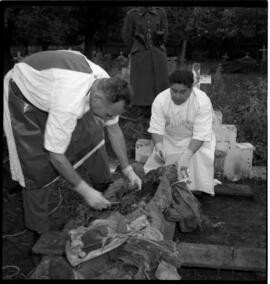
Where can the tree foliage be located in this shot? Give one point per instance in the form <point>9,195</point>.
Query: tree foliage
<point>216,22</point>
<point>45,25</point>
<point>217,26</point>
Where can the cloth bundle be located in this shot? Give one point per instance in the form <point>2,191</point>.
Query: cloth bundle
<point>185,208</point>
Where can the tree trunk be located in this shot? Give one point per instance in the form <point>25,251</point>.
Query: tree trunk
<point>7,46</point>
<point>26,48</point>
<point>88,45</point>
<point>89,32</point>
<point>182,56</point>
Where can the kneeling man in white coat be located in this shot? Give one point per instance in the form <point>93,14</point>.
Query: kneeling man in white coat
<point>181,126</point>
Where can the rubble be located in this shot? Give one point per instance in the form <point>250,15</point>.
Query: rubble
<point>128,241</point>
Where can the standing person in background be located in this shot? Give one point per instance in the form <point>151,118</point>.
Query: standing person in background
<point>144,32</point>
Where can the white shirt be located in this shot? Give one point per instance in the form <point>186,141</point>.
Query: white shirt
<point>179,124</point>
<point>63,94</point>
<point>193,117</point>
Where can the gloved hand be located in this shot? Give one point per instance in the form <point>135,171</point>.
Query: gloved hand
<point>93,197</point>
<point>183,164</point>
<point>133,178</point>
<point>159,152</point>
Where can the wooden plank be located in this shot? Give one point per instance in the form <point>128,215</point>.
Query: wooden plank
<point>247,258</point>
<point>201,255</point>
<point>51,243</point>
<point>169,230</point>
<point>222,257</point>
<point>234,190</point>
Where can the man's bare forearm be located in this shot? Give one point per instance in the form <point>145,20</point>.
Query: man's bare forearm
<point>64,167</point>
<point>118,143</point>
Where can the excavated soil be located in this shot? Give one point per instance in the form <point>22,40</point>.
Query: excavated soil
<point>227,220</point>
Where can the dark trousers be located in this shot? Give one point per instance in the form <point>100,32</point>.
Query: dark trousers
<point>35,201</point>
<point>148,75</point>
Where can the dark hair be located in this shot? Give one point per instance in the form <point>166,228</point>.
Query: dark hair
<point>184,77</point>
<point>116,89</point>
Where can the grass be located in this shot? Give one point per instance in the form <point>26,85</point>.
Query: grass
<point>242,98</point>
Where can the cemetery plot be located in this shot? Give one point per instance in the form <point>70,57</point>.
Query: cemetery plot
<point>227,220</point>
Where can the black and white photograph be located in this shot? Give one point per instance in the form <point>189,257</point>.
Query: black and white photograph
<point>135,140</point>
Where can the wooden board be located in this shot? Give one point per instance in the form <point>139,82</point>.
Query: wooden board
<point>169,230</point>
<point>222,257</point>
<point>234,190</point>
<point>51,243</point>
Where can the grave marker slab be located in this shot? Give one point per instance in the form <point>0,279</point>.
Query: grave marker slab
<point>222,257</point>
<point>198,77</point>
<point>264,53</point>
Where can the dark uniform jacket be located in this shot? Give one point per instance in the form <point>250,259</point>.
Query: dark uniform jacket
<point>145,31</point>
<point>145,27</point>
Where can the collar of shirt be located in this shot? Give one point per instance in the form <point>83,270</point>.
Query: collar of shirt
<point>144,10</point>
<point>87,102</point>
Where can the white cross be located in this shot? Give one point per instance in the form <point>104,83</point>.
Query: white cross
<point>264,53</point>
<point>198,78</point>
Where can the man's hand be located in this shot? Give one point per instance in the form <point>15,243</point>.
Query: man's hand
<point>133,178</point>
<point>159,153</point>
<point>183,165</point>
<point>93,197</point>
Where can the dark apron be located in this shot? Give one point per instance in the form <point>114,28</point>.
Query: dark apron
<point>28,126</point>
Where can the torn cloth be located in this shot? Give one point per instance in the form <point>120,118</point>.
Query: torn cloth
<point>185,208</point>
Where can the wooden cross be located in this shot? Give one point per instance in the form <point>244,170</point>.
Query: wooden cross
<point>198,78</point>
<point>263,50</point>
<point>18,58</point>
<point>225,56</point>
<point>247,55</point>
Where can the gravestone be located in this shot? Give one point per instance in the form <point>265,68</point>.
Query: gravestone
<point>263,63</point>
<point>94,54</point>
<point>238,158</point>
<point>121,60</point>
<point>248,63</point>
<point>18,57</point>
<point>225,57</point>
<point>264,53</point>
<point>198,77</point>
<point>172,64</point>
<point>218,75</point>
<point>98,59</point>
<point>219,86</point>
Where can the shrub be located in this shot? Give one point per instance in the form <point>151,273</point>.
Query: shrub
<point>244,103</point>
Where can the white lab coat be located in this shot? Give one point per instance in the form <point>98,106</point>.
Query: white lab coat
<point>179,124</point>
